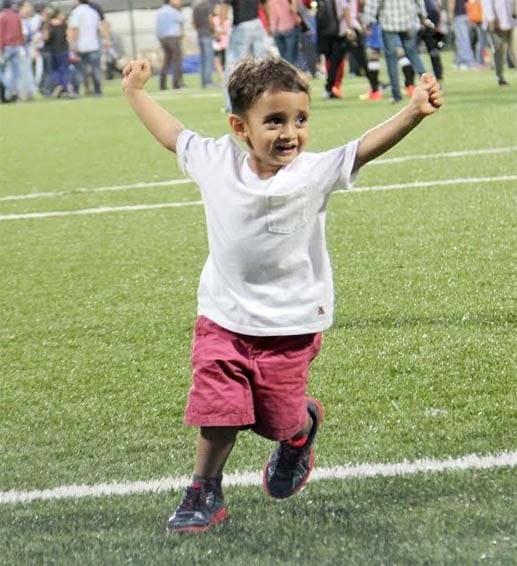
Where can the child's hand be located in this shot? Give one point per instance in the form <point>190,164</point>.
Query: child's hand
<point>136,74</point>
<point>427,96</point>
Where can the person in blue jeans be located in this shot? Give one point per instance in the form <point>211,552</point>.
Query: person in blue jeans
<point>11,50</point>
<point>247,36</point>
<point>84,29</point>
<point>399,21</point>
<point>202,22</point>
<point>464,58</point>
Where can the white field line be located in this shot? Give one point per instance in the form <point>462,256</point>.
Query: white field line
<point>358,471</point>
<point>147,185</point>
<point>137,207</point>
<point>448,154</point>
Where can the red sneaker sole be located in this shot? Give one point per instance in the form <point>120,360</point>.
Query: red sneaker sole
<point>218,518</point>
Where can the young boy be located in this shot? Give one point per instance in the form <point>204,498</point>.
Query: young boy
<point>266,290</point>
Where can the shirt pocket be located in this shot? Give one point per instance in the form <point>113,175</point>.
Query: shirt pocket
<point>287,213</point>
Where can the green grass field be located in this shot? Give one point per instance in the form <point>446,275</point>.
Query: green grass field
<point>100,256</point>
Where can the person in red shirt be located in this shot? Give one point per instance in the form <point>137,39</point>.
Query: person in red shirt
<point>11,47</point>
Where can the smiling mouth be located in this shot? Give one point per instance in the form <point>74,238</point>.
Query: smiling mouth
<point>286,148</point>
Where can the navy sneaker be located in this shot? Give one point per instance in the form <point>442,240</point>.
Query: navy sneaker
<point>289,467</point>
<point>202,508</point>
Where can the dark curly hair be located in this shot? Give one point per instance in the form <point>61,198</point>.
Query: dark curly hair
<point>253,76</point>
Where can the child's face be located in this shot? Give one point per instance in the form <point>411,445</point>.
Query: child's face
<point>275,129</point>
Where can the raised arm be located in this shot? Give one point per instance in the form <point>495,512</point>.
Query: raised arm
<point>164,127</point>
<point>426,100</point>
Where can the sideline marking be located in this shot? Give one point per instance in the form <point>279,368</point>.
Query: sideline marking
<point>98,189</point>
<point>463,153</point>
<point>357,471</point>
<point>146,185</point>
<point>136,207</point>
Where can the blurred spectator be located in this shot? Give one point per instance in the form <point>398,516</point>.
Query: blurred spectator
<point>356,48</point>
<point>169,31</point>
<point>331,44</point>
<point>284,23</point>
<point>46,85</point>
<point>399,21</point>
<point>202,22</point>
<point>37,42</point>
<point>11,51</point>
<point>308,58</point>
<point>247,36</point>
<point>501,20</point>
<point>84,26</point>
<point>221,34</point>
<point>58,44</point>
<point>464,58</point>
<point>27,86</point>
<point>478,34</point>
<point>113,53</point>
<point>374,47</point>
<point>431,37</point>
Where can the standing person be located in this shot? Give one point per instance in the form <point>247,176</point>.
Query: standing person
<point>247,36</point>
<point>84,28</point>
<point>58,45</point>
<point>356,49</point>
<point>464,56</point>
<point>399,21</point>
<point>430,38</point>
<point>336,38</point>
<point>169,31</point>
<point>202,22</point>
<point>46,84</point>
<point>501,20</point>
<point>284,22</point>
<point>11,51</point>
<point>478,33</point>
<point>331,45</point>
<point>308,59</point>
<point>27,85</point>
<point>221,35</point>
<point>266,290</point>
<point>374,47</point>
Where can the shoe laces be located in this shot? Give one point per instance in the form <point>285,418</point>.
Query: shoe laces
<point>289,456</point>
<point>194,499</point>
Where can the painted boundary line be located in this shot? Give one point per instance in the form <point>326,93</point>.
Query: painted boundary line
<point>172,182</point>
<point>112,188</point>
<point>358,471</point>
<point>137,207</point>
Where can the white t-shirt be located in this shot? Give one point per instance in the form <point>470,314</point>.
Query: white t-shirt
<point>87,21</point>
<point>268,271</point>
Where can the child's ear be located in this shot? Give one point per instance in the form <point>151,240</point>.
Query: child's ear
<point>238,126</point>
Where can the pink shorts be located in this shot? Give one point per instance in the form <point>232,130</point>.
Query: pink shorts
<point>250,381</point>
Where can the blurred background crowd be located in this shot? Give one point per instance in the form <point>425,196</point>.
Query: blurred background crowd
<point>69,48</point>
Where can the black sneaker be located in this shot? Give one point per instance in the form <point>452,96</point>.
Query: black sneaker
<point>202,508</point>
<point>289,467</point>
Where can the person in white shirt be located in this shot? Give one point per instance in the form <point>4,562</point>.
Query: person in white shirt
<point>266,290</point>
<point>84,29</point>
<point>501,19</point>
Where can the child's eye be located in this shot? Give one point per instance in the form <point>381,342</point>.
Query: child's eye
<point>302,120</point>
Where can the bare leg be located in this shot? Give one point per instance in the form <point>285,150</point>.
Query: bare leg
<point>214,445</point>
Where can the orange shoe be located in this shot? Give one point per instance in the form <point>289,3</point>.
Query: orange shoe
<point>410,90</point>
<point>336,92</point>
<point>372,95</point>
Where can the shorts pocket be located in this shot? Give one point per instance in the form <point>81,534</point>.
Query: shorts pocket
<point>287,213</point>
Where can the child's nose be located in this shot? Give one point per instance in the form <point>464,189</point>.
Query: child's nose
<point>288,131</point>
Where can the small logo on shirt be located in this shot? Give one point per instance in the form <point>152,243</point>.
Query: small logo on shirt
<point>321,311</point>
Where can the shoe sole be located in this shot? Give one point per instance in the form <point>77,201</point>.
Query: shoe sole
<point>217,519</point>
<point>312,456</point>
